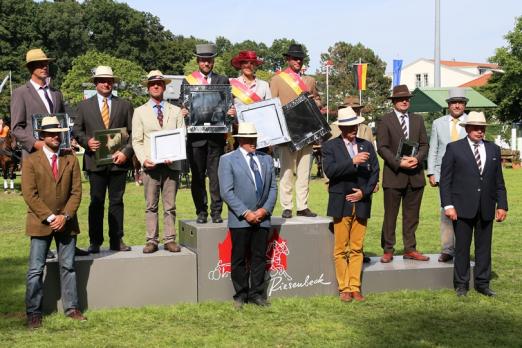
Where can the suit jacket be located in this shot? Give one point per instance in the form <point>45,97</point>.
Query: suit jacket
<point>439,139</point>
<point>237,187</point>
<point>25,102</point>
<point>200,140</point>
<point>145,122</point>
<point>345,176</point>
<point>280,89</point>
<point>46,196</point>
<point>89,119</point>
<point>462,186</point>
<point>389,135</point>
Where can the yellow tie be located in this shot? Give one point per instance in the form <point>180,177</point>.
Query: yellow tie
<point>105,113</point>
<point>454,131</point>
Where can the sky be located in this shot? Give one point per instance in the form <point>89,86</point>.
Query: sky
<point>471,30</point>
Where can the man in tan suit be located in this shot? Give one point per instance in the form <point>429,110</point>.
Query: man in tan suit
<point>298,161</point>
<point>52,190</point>
<point>157,115</point>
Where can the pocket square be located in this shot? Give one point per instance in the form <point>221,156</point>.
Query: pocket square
<point>494,158</point>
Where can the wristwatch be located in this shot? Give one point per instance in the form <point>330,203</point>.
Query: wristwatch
<point>67,217</point>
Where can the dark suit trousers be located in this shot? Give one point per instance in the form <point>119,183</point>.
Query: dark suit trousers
<point>411,200</point>
<point>248,260</point>
<point>204,161</point>
<point>114,182</point>
<point>464,229</point>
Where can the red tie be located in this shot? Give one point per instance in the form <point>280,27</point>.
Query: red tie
<point>54,166</point>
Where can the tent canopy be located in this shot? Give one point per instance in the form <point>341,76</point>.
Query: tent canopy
<point>434,100</point>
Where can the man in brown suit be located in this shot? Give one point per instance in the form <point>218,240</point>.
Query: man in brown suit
<point>52,190</point>
<point>403,178</point>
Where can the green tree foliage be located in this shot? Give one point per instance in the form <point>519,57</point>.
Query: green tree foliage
<point>130,75</point>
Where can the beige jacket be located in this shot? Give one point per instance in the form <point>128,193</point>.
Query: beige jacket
<point>279,88</point>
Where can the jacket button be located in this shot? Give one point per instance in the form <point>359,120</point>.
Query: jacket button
<point>478,190</point>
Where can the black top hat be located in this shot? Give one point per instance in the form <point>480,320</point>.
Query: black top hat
<point>295,50</point>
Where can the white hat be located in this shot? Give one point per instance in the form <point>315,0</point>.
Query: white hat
<point>246,130</point>
<point>104,72</point>
<point>475,118</point>
<point>52,125</point>
<point>348,117</point>
<point>155,75</point>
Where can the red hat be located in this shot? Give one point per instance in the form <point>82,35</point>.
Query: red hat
<point>245,56</point>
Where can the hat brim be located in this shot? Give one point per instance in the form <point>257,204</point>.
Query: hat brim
<point>353,121</point>
<point>400,96</point>
<point>206,55</point>
<point>246,135</point>
<point>472,123</point>
<point>53,130</point>
<point>146,82</point>
<point>296,55</point>
<point>39,60</point>
<point>236,62</point>
<point>455,99</point>
<point>115,78</point>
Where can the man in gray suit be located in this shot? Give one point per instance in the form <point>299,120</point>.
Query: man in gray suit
<point>443,131</point>
<point>248,186</point>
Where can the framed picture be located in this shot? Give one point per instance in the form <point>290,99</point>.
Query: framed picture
<point>407,149</point>
<point>208,106</point>
<point>269,119</point>
<point>305,122</point>
<point>168,145</point>
<point>65,122</point>
<point>111,141</point>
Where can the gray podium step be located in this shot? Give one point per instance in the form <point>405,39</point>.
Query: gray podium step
<point>127,279</point>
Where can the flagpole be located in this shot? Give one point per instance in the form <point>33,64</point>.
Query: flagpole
<point>327,91</point>
<point>10,85</point>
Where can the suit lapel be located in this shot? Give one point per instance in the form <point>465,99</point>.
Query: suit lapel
<point>490,155</point>
<point>264,170</point>
<point>62,163</point>
<point>95,107</point>
<point>114,110</point>
<point>36,97</point>
<point>342,146</point>
<point>243,165</point>
<point>396,124</point>
<point>469,154</point>
<point>46,166</point>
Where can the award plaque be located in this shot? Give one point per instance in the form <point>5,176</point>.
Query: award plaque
<point>407,149</point>
<point>268,117</point>
<point>305,122</point>
<point>208,106</point>
<point>168,145</point>
<point>111,141</point>
<point>65,122</point>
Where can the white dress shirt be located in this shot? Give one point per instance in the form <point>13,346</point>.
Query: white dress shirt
<point>49,155</point>
<point>406,120</point>
<point>41,93</point>
<point>247,159</point>
<point>100,102</point>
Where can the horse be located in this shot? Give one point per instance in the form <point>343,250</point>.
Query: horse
<point>8,161</point>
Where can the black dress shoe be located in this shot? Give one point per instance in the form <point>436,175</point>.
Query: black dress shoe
<point>93,249</point>
<point>486,292</point>
<point>120,246</point>
<point>50,255</point>
<point>217,219</point>
<point>202,218</point>
<point>80,252</point>
<point>287,214</point>
<point>445,257</point>
<point>306,212</point>
<point>238,303</point>
<point>366,259</point>
<point>259,302</point>
<point>461,291</point>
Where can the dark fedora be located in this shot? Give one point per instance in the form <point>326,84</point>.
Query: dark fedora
<point>295,50</point>
<point>400,91</point>
<point>351,101</point>
<point>245,56</point>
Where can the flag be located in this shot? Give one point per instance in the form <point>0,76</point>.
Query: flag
<point>397,67</point>
<point>3,83</point>
<point>359,72</point>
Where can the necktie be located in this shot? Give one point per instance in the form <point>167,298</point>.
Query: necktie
<point>257,176</point>
<point>160,114</point>
<point>49,101</point>
<point>351,150</point>
<point>105,113</point>
<point>454,131</point>
<point>54,166</point>
<point>477,157</point>
<point>403,126</point>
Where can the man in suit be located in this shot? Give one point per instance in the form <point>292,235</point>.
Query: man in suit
<point>364,132</point>
<point>473,194</point>
<point>248,185</point>
<point>353,169</point>
<point>105,111</point>
<point>403,177</point>
<point>153,116</point>
<point>443,131</point>
<point>204,149</point>
<point>287,85</point>
<point>52,190</point>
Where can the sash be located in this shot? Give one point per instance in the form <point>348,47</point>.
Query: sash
<point>293,80</point>
<point>196,78</point>
<point>243,93</point>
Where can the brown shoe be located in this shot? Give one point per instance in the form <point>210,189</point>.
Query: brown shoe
<point>150,248</point>
<point>445,257</point>
<point>75,314</point>
<point>415,255</point>
<point>120,246</point>
<point>34,321</point>
<point>387,257</point>
<point>172,247</point>
<point>345,297</point>
<point>357,296</point>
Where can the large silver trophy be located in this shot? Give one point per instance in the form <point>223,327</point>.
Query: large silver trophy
<point>208,106</point>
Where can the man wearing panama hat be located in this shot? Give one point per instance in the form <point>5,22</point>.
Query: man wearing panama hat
<point>473,194</point>
<point>352,167</point>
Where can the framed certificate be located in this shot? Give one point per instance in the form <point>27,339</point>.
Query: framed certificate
<point>208,106</point>
<point>305,122</point>
<point>407,149</point>
<point>111,141</point>
<point>268,117</point>
<point>168,145</point>
<point>65,122</point>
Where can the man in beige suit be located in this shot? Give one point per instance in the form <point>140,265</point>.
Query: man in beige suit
<point>157,115</point>
<point>52,190</point>
<point>298,161</point>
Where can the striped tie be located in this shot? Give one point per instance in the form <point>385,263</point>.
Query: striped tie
<point>454,131</point>
<point>403,125</point>
<point>477,157</point>
<point>105,113</point>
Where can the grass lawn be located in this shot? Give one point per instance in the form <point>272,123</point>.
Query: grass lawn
<point>395,319</point>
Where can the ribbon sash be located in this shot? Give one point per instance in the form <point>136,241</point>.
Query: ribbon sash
<point>196,78</point>
<point>243,93</point>
<point>293,80</point>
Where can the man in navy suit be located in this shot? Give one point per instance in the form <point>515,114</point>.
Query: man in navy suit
<point>248,186</point>
<point>353,169</point>
<point>472,194</point>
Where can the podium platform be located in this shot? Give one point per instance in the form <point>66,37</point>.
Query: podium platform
<point>126,279</point>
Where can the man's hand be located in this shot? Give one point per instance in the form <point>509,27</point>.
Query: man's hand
<point>39,144</point>
<point>93,144</point>
<point>376,188</point>
<point>251,218</point>
<point>354,197</point>
<point>184,112</point>
<point>409,162</point>
<point>58,223</point>
<point>119,158</point>
<point>148,164</point>
<point>232,111</point>
<point>451,213</point>
<point>500,215</point>
<point>433,182</point>
<point>260,213</point>
<point>361,158</point>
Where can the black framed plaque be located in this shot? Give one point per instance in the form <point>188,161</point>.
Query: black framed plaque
<point>65,122</point>
<point>208,106</point>
<point>407,149</point>
<point>111,141</point>
<point>305,122</point>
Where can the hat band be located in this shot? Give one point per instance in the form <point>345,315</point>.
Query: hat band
<point>247,133</point>
<point>49,126</point>
<point>348,119</point>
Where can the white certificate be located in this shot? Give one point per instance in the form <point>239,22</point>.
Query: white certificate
<point>168,145</point>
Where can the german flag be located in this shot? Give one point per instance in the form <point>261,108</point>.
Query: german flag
<point>359,76</point>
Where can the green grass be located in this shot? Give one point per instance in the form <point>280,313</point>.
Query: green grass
<point>396,319</point>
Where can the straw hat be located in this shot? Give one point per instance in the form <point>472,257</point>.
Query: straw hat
<point>36,55</point>
<point>104,72</point>
<point>155,75</point>
<point>208,50</point>
<point>348,117</point>
<point>476,119</point>
<point>246,130</point>
<point>245,56</point>
<point>457,94</point>
<point>400,91</point>
<point>52,125</point>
